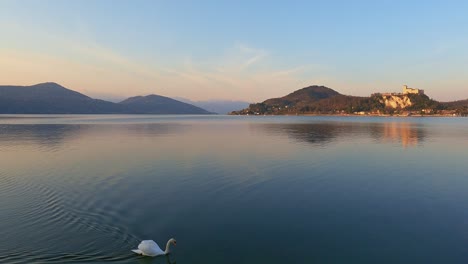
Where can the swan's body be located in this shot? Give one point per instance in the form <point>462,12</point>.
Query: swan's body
<point>150,248</point>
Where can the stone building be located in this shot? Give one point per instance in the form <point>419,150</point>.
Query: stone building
<point>407,90</point>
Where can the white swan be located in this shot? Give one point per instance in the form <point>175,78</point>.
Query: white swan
<point>150,248</point>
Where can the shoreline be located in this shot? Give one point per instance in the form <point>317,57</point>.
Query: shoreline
<point>354,115</point>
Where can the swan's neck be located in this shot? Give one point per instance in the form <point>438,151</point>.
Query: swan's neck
<point>168,245</point>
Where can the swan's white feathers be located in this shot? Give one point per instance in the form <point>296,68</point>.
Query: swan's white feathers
<point>150,248</point>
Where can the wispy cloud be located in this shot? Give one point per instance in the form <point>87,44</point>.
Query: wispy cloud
<point>253,55</point>
<point>242,72</point>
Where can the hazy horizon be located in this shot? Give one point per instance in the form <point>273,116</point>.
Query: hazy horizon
<point>239,51</point>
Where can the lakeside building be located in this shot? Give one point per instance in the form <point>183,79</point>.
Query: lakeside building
<point>406,90</point>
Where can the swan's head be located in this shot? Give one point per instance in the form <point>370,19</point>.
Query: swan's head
<point>168,245</point>
<point>173,241</point>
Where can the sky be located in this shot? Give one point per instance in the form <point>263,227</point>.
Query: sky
<point>236,50</point>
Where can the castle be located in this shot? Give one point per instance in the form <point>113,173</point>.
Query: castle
<point>407,90</point>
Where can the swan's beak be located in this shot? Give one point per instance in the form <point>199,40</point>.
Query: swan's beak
<point>175,243</point>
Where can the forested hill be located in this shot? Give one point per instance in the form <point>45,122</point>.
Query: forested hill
<point>323,100</point>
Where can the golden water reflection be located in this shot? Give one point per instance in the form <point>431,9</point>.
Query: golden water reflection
<point>320,134</point>
<point>408,134</point>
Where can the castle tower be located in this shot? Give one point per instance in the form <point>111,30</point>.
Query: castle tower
<point>405,89</point>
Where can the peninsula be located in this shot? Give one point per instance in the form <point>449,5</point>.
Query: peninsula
<point>321,100</point>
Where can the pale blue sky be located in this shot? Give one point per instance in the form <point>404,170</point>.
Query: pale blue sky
<point>236,49</point>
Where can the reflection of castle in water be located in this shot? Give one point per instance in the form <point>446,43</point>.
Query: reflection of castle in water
<point>406,133</point>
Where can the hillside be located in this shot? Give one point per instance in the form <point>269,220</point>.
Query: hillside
<point>312,99</point>
<point>460,107</point>
<point>323,100</point>
<point>456,104</point>
<point>303,96</point>
<point>52,98</point>
<point>156,104</point>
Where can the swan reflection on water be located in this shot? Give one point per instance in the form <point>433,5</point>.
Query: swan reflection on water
<point>166,259</point>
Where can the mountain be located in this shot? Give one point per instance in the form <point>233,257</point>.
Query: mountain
<point>156,104</point>
<point>217,106</point>
<point>323,100</point>
<point>312,99</point>
<point>304,96</point>
<point>52,98</point>
<point>456,104</point>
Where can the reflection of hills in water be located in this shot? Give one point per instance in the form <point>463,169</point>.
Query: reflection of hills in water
<point>409,134</point>
<point>52,136</point>
<point>314,133</point>
<point>47,135</point>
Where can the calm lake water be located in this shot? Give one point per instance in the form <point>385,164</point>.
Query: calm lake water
<point>234,189</point>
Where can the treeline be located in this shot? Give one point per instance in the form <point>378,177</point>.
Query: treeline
<point>460,107</point>
<point>323,100</point>
<point>331,105</point>
<point>343,104</point>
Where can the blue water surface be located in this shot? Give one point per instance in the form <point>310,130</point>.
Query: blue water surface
<point>233,189</point>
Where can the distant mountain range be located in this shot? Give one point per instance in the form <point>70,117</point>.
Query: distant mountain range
<point>52,98</point>
<point>323,100</point>
<point>156,104</point>
<point>217,106</point>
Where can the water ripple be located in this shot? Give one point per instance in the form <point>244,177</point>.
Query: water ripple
<point>53,211</point>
